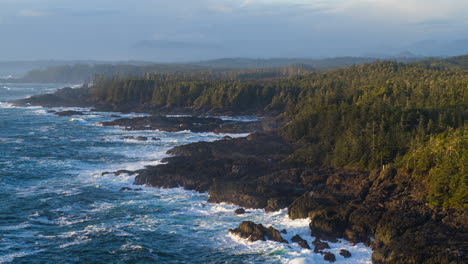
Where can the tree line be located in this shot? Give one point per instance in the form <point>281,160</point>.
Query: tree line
<point>366,116</point>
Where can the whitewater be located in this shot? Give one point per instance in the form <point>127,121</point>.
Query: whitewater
<point>57,207</point>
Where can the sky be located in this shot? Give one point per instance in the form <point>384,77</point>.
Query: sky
<point>187,30</point>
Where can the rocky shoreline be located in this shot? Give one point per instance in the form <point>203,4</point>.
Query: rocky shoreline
<point>381,209</point>
<point>384,209</point>
<point>181,123</point>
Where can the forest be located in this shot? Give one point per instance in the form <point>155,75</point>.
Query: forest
<point>410,116</point>
<point>80,71</point>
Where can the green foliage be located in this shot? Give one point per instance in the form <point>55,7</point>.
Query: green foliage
<point>363,116</point>
<point>366,116</point>
<point>441,163</point>
<point>457,62</point>
<point>85,72</point>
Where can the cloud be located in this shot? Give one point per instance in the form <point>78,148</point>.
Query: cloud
<point>404,10</point>
<point>221,9</point>
<point>32,13</point>
<point>241,27</point>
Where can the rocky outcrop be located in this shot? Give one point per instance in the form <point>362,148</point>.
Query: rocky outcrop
<point>384,209</point>
<point>242,171</point>
<point>130,189</point>
<point>181,123</point>
<point>345,253</point>
<point>65,97</point>
<point>330,257</point>
<point>118,173</point>
<point>387,206</point>
<point>320,246</point>
<point>69,113</point>
<point>254,232</point>
<point>300,241</point>
<point>239,211</point>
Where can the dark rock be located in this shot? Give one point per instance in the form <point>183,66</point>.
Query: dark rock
<point>330,257</point>
<point>180,123</point>
<point>138,189</point>
<point>115,116</point>
<point>170,124</point>
<point>51,111</point>
<point>254,232</point>
<point>126,189</point>
<point>296,238</point>
<point>155,139</point>
<point>345,253</point>
<point>65,97</point>
<point>320,246</point>
<point>141,138</point>
<point>69,113</point>
<point>248,177</point>
<point>388,205</point>
<point>284,231</point>
<point>239,127</point>
<point>105,173</point>
<point>239,211</point>
<point>299,240</point>
<point>127,137</point>
<point>120,172</point>
<point>304,244</point>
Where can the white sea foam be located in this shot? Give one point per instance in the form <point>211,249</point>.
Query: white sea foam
<point>15,227</point>
<point>6,105</point>
<point>40,112</point>
<point>210,221</point>
<point>240,118</point>
<point>11,257</point>
<point>287,253</point>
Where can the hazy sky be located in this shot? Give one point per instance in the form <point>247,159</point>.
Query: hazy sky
<point>178,30</point>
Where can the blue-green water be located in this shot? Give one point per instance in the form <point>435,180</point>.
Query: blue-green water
<point>55,207</point>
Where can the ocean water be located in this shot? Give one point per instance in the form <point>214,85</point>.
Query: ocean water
<point>55,207</point>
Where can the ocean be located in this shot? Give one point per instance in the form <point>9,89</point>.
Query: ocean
<point>57,207</point>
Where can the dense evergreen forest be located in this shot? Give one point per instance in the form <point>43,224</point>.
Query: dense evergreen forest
<point>411,116</point>
<point>75,72</point>
<point>457,62</point>
<point>85,72</point>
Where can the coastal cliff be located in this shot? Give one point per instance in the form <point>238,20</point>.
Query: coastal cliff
<point>373,154</point>
<point>382,208</point>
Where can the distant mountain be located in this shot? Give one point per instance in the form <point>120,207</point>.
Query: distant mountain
<point>457,62</point>
<point>439,48</point>
<point>318,64</point>
<point>20,68</point>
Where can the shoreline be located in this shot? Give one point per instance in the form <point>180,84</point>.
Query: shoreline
<point>355,205</point>
<point>282,211</point>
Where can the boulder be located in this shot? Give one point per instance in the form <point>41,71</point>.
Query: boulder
<point>69,113</point>
<point>254,232</point>
<point>239,211</point>
<point>120,172</point>
<point>299,240</point>
<point>345,253</point>
<point>320,246</point>
<point>330,257</point>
